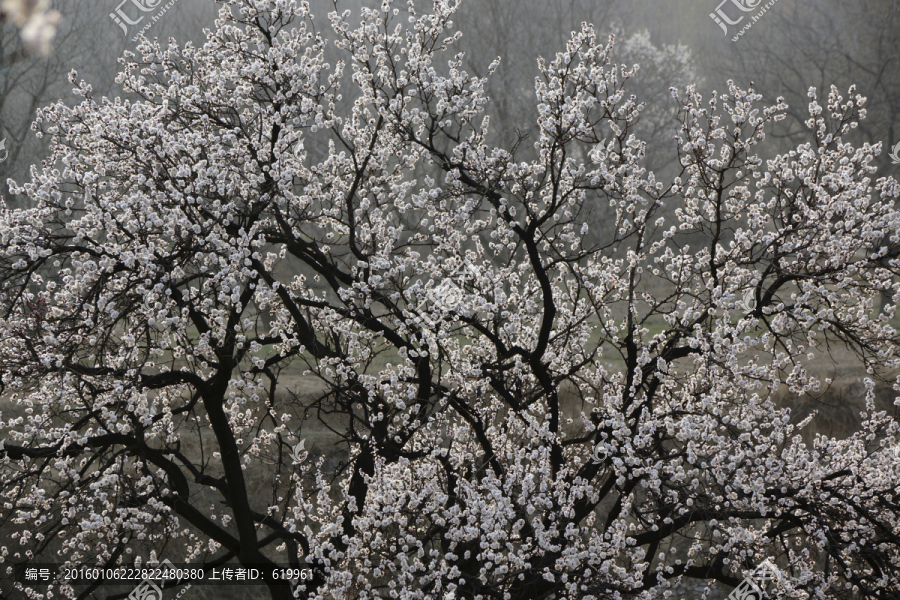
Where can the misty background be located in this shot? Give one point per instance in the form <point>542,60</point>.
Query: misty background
<point>794,45</point>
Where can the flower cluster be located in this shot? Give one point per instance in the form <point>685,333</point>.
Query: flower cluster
<point>35,20</point>
<point>181,265</point>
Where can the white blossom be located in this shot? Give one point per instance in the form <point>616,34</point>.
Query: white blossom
<point>179,258</point>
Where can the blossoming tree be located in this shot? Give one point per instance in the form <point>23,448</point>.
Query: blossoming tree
<point>36,22</point>
<point>162,285</point>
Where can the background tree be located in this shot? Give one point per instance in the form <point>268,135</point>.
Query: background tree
<point>492,451</point>
<point>28,80</point>
<point>36,22</point>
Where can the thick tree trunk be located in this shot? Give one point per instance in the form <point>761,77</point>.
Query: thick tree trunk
<point>249,554</point>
